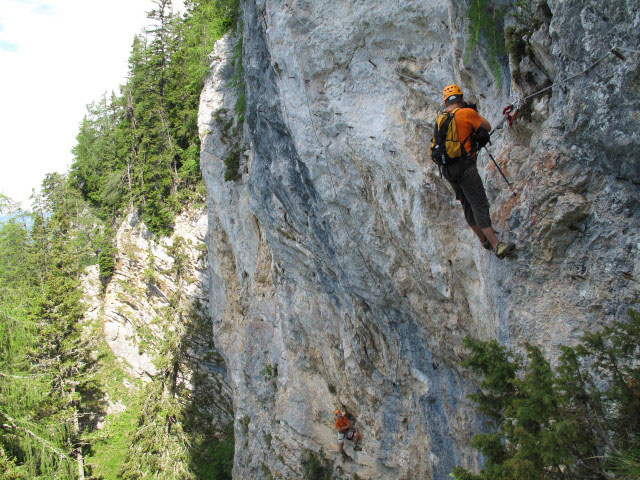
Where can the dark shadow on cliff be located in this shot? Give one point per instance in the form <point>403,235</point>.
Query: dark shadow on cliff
<point>208,413</point>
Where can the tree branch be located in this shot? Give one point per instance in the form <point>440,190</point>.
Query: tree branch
<point>46,443</point>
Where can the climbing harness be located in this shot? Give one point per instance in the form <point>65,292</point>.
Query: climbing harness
<point>511,111</point>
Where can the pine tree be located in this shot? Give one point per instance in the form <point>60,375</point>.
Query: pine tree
<point>62,347</point>
<point>27,450</point>
<point>141,149</point>
<point>49,383</point>
<point>136,149</point>
<point>580,421</point>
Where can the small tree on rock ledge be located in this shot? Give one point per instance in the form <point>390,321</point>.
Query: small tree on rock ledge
<point>580,421</point>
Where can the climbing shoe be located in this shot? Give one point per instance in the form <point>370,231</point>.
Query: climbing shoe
<point>503,248</point>
<point>357,449</point>
<point>487,245</point>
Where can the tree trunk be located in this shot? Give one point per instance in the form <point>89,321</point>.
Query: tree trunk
<point>76,434</point>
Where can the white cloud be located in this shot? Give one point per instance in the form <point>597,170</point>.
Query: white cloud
<point>67,54</point>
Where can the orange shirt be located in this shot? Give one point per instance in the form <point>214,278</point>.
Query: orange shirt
<point>467,120</point>
<point>341,423</point>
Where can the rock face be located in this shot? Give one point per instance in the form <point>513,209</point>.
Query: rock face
<point>157,296</point>
<point>342,272</point>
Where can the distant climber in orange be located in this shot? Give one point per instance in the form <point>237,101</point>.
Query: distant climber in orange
<point>345,431</point>
<point>458,133</point>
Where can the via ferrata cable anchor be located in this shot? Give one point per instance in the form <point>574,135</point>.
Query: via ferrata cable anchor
<point>509,113</point>
<point>512,111</point>
<point>617,53</point>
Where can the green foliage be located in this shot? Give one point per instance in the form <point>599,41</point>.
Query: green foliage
<point>159,446</point>
<point>180,257</point>
<point>241,105</point>
<point>528,18</point>
<point>175,436</point>
<point>226,122</point>
<point>626,465</point>
<point>8,206</point>
<point>169,425</point>
<point>214,458</point>
<point>106,258</point>
<point>142,148</point>
<point>232,162</point>
<point>574,422</point>
<point>515,43</point>
<point>137,149</point>
<point>516,47</point>
<point>112,443</point>
<point>316,467</point>
<point>266,472</point>
<point>485,22</point>
<point>229,133</point>
<point>244,422</point>
<point>269,372</point>
<point>48,380</point>
<point>524,13</point>
<point>17,278</point>
<point>237,81</point>
<point>150,269</point>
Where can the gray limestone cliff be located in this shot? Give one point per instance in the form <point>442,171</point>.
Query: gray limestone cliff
<point>157,302</point>
<point>342,272</point>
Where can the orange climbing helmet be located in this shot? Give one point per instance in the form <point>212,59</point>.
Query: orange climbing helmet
<point>337,412</point>
<point>449,90</point>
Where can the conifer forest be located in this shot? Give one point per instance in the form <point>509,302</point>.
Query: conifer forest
<point>137,149</point>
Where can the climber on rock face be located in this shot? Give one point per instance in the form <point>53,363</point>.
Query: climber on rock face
<point>345,431</point>
<point>453,150</point>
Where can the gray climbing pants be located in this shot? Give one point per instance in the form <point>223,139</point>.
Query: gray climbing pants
<point>467,185</point>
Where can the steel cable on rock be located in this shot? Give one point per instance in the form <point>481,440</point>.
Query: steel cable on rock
<point>626,49</point>
<point>324,148</point>
<point>564,80</point>
<point>346,224</point>
<point>517,104</point>
<point>348,228</point>
<point>330,174</point>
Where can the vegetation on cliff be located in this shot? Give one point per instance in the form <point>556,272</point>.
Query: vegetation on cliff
<point>578,420</point>
<point>137,149</point>
<point>141,148</point>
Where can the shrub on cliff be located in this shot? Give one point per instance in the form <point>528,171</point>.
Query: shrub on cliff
<point>579,420</point>
<point>317,467</point>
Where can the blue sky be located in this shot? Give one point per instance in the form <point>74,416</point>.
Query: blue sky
<point>8,46</point>
<point>56,57</point>
<point>5,45</point>
<point>36,8</point>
